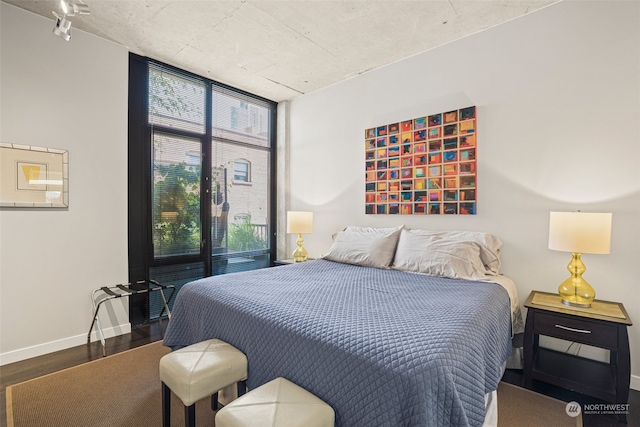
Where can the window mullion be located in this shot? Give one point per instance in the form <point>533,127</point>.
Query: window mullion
<point>206,182</point>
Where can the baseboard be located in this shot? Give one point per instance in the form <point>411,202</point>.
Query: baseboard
<point>63,344</point>
<point>635,382</point>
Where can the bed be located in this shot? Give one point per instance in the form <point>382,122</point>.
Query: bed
<point>382,346</point>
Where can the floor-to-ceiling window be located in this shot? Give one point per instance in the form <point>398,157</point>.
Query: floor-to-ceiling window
<point>201,179</point>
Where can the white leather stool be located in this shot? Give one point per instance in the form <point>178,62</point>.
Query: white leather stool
<point>198,371</point>
<point>276,403</point>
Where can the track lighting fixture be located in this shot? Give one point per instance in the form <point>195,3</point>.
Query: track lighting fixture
<point>62,27</point>
<point>73,9</point>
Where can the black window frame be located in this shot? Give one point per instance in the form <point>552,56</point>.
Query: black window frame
<point>140,221</point>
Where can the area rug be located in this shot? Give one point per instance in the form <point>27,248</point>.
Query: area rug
<point>120,390</point>
<point>123,390</point>
<point>519,407</point>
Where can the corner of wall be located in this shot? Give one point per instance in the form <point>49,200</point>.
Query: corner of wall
<point>282,178</point>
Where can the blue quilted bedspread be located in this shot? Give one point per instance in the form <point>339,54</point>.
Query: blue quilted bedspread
<point>382,347</point>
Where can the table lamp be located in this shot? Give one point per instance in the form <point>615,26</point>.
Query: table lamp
<point>299,223</point>
<point>579,233</point>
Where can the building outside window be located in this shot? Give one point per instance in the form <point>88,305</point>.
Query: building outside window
<point>241,170</point>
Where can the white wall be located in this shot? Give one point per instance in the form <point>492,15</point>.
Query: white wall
<point>558,97</point>
<point>70,95</point>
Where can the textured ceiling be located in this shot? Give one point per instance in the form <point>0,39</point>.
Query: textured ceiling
<point>281,49</point>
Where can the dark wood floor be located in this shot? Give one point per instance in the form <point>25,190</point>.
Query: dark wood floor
<point>21,371</point>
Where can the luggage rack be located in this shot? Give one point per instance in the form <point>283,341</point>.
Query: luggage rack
<point>107,293</point>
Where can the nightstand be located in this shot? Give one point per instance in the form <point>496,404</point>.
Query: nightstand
<point>604,325</point>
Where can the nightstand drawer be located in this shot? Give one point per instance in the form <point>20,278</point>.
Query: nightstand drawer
<point>575,329</point>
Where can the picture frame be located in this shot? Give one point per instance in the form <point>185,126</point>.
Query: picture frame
<point>33,177</point>
<point>425,166</point>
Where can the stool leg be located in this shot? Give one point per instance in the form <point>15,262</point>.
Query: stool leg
<point>166,406</point>
<point>190,415</point>
<point>242,387</point>
<point>214,401</point>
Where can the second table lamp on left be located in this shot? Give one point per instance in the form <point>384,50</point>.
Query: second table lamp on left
<point>300,223</point>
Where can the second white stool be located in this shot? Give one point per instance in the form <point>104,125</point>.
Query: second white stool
<point>276,403</point>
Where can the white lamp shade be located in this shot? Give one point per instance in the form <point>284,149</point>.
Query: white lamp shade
<point>580,232</point>
<point>299,222</point>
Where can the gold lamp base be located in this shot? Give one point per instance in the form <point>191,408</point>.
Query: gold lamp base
<point>575,291</point>
<point>300,254</point>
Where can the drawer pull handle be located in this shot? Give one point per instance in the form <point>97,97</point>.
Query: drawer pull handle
<point>566,328</point>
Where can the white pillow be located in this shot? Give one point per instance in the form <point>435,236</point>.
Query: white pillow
<point>433,255</point>
<point>365,246</point>
<point>489,245</point>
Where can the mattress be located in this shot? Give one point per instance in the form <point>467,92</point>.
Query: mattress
<point>382,347</point>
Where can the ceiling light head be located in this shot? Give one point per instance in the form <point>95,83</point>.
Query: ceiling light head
<point>62,28</point>
<point>72,9</point>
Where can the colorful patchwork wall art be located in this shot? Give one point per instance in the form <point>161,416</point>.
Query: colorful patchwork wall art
<point>423,166</point>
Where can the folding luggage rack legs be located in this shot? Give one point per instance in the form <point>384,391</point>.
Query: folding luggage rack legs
<point>110,292</point>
